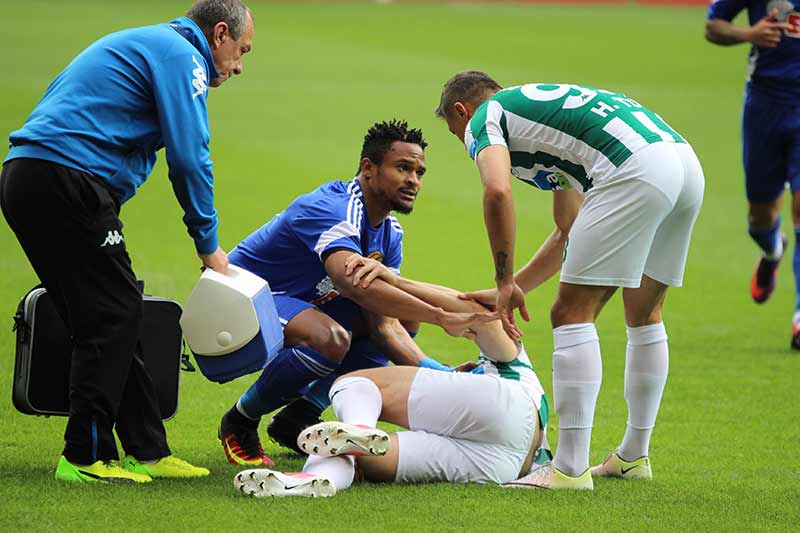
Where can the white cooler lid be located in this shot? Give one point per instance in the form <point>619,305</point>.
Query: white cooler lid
<point>219,317</point>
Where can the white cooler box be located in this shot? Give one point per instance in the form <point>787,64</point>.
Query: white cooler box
<point>231,324</point>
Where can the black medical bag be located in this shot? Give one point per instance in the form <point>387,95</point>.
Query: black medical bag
<point>43,354</point>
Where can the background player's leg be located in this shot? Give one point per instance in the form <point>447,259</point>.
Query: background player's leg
<point>646,365</point>
<point>577,371</point>
<point>764,160</point>
<point>796,260</point>
<point>764,224</point>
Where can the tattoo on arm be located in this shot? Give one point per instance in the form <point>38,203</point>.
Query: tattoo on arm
<point>500,265</point>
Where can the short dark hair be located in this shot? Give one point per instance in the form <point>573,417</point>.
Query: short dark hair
<point>382,135</point>
<point>208,13</point>
<point>467,86</point>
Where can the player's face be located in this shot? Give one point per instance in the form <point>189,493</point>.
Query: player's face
<point>457,120</point>
<point>398,178</point>
<point>227,52</point>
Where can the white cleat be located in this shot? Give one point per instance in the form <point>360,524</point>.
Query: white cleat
<point>549,477</point>
<point>616,466</point>
<point>261,482</point>
<point>328,439</point>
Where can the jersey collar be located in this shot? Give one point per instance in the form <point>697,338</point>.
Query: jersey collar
<point>190,31</point>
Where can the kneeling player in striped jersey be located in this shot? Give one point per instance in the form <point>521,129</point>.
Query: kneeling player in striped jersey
<point>485,424</point>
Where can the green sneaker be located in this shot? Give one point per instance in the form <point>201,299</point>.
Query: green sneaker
<point>166,467</point>
<point>108,472</point>
<point>549,477</point>
<point>616,466</point>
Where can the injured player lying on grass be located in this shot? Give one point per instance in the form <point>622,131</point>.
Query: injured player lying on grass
<point>485,423</point>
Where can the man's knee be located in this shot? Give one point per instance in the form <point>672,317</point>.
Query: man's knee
<point>333,342</point>
<point>567,312</point>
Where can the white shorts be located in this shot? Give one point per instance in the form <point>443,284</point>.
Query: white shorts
<point>638,221</point>
<point>465,428</point>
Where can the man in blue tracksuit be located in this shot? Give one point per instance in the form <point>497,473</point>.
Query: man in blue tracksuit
<point>83,152</point>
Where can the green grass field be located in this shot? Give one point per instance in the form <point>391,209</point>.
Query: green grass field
<point>725,448</point>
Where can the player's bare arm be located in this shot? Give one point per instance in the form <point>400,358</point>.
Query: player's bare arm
<point>393,339</point>
<point>494,163</point>
<point>546,262</point>
<point>384,299</point>
<point>490,337</point>
<point>766,33</point>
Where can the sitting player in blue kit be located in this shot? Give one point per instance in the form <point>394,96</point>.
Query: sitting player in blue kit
<point>301,252</point>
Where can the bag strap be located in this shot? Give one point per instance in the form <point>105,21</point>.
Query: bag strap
<point>186,363</point>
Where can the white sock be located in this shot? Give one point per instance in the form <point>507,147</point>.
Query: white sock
<point>646,368</point>
<point>339,470</point>
<point>577,373</point>
<point>356,401</point>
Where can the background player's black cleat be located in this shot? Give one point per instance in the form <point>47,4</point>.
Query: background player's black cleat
<point>287,423</point>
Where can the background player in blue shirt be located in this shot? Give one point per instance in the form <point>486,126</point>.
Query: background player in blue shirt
<point>302,251</point>
<point>83,152</point>
<point>770,128</point>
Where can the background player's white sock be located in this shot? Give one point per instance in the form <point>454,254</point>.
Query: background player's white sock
<point>577,373</point>
<point>356,401</point>
<point>340,470</point>
<point>646,368</point>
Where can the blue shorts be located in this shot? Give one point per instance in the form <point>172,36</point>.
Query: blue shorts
<point>770,147</point>
<point>340,309</point>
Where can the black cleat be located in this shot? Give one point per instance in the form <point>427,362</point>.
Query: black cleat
<point>287,423</point>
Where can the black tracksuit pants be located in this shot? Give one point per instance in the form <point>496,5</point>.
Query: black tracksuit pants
<point>68,225</point>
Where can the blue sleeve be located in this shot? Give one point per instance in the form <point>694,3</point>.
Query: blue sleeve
<point>328,225</point>
<point>725,9</point>
<point>394,253</point>
<point>180,89</point>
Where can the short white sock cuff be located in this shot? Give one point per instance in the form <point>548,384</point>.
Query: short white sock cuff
<point>645,335</point>
<point>573,335</point>
<point>344,383</point>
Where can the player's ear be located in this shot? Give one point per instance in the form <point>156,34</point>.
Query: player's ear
<point>461,110</point>
<point>367,167</point>
<point>220,34</point>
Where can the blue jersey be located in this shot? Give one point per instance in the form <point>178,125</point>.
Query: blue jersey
<point>121,100</point>
<point>289,250</point>
<point>772,71</point>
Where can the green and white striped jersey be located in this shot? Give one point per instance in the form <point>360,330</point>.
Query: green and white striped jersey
<point>565,136</point>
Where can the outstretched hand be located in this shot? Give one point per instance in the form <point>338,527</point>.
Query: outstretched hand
<point>510,297</point>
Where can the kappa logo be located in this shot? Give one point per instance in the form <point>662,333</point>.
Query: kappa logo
<point>113,238</point>
<point>200,81</point>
